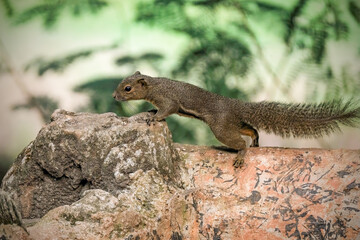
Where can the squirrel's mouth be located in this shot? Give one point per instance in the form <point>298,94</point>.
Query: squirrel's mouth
<point>117,97</point>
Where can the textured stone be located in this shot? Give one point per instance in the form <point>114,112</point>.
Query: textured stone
<point>80,151</point>
<point>8,210</point>
<point>13,232</point>
<point>181,191</point>
<point>279,194</point>
<point>11,225</point>
<point>99,215</point>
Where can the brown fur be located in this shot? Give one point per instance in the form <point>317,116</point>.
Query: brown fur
<point>230,118</point>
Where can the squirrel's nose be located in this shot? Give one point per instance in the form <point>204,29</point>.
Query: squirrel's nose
<point>114,95</point>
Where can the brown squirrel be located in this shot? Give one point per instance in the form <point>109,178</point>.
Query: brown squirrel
<point>229,118</point>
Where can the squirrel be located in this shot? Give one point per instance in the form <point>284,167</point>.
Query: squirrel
<point>230,118</point>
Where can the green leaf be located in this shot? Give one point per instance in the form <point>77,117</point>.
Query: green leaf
<point>207,3</point>
<point>170,16</point>
<point>96,5</point>
<point>151,57</point>
<point>222,57</point>
<point>290,20</point>
<point>270,7</point>
<point>354,9</point>
<point>50,11</point>
<point>103,85</point>
<point>126,60</point>
<point>60,64</point>
<point>8,8</point>
<point>100,95</point>
<point>166,2</point>
<point>319,45</point>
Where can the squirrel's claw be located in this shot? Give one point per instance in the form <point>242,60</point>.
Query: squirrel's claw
<point>238,163</point>
<point>239,160</point>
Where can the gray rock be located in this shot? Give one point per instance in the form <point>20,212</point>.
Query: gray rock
<point>80,151</point>
<point>8,211</point>
<point>11,224</point>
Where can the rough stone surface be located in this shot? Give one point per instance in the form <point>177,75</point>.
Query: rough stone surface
<point>279,194</point>
<point>182,191</point>
<point>13,232</point>
<point>8,210</point>
<point>11,225</point>
<point>80,151</point>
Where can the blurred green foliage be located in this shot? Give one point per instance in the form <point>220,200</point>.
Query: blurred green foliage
<point>151,58</point>
<point>61,63</point>
<point>50,11</point>
<point>223,48</point>
<point>8,7</point>
<point>354,9</point>
<point>99,92</point>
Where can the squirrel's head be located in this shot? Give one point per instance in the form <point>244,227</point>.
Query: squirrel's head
<point>132,88</point>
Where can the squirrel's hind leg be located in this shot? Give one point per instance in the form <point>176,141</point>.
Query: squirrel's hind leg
<point>248,130</point>
<point>232,138</point>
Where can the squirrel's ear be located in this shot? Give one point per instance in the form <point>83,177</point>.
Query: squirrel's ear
<point>143,82</point>
<point>137,73</point>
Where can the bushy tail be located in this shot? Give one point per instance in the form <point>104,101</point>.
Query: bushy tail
<point>302,120</point>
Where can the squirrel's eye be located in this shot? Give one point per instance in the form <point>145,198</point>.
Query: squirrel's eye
<point>127,88</point>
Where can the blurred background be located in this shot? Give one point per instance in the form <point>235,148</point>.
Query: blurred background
<point>72,54</point>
